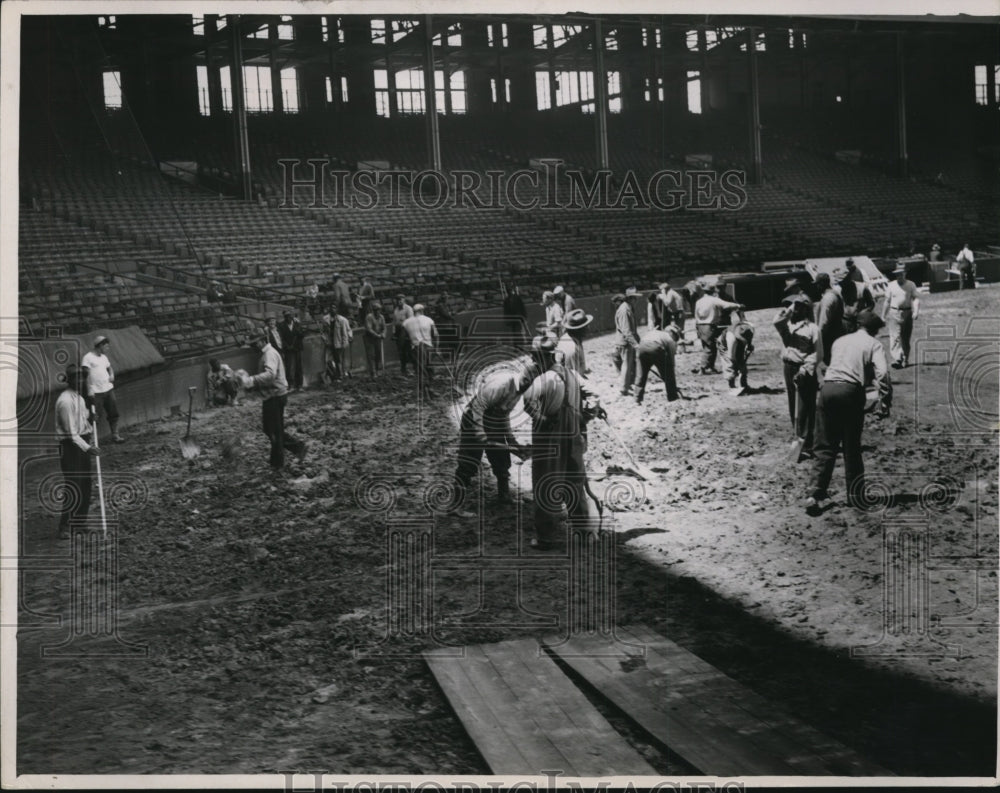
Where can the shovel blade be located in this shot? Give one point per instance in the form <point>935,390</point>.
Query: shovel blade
<point>189,449</point>
<point>795,450</point>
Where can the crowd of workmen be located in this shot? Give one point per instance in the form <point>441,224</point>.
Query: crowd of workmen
<point>835,370</point>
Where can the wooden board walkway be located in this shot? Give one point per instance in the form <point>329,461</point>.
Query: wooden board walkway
<point>716,724</point>
<point>527,717</point>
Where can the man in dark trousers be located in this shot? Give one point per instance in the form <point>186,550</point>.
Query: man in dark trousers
<point>799,357</point>
<point>485,428</point>
<point>830,317</point>
<point>290,331</point>
<point>516,315</point>
<point>856,362</point>
<point>657,348</point>
<point>856,296</point>
<point>75,433</point>
<point>273,387</point>
<point>626,339</point>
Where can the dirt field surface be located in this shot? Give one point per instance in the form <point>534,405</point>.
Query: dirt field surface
<point>253,628</point>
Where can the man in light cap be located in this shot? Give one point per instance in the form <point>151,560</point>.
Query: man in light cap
<point>571,343</point>
<point>965,261</point>
<point>900,307</point>
<point>560,408</point>
<point>856,362</point>
<point>708,322</point>
<point>74,433</point>
<point>273,387</point>
<point>801,353</point>
<point>423,337</point>
<point>626,339</point>
<point>101,384</point>
<point>485,427</point>
<point>566,303</point>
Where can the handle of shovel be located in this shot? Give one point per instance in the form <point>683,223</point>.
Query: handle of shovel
<point>191,390</point>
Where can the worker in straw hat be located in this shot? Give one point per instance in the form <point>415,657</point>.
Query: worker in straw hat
<point>101,383</point>
<point>553,312</point>
<point>560,408</point>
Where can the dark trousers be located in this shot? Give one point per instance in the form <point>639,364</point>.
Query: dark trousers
<point>801,404</point>
<point>470,450</point>
<point>422,365</point>
<point>107,406</point>
<point>274,429</point>
<point>968,280</point>
<point>403,350</point>
<point>840,417</point>
<point>373,355</point>
<point>78,478</point>
<point>293,367</point>
<point>709,337</point>
<point>663,360</point>
<point>623,358</point>
<point>829,335</point>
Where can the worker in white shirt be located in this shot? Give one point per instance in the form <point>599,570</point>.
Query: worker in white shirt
<point>900,307</point>
<point>74,433</point>
<point>708,322</point>
<point>965,262</point>
<point>423,337</point>
<point>101,384</point>
<point>857,362</point>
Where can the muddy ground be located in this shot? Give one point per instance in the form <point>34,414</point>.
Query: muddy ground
<point>251,609</point>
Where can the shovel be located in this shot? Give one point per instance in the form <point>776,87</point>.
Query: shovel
<point>189,448</point>
<point>641,471</point>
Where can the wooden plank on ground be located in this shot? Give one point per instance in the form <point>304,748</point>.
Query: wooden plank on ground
<point>716,724</point>
<point>526,717</point>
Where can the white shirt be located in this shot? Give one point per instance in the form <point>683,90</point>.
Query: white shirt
<point>903,297</point>
<point>421,330</point>
<point>99,377</point>
<point>72,418</point>
<point>966,254</point>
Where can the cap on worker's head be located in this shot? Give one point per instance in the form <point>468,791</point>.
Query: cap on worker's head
<point>546,295</point>
<point>335,276</point>
<point>618,298</point>
<point>850,264</point>
<point>631,292</point>
<point>558,290</point>
<point>100,340</point>
<point>792,283</point>
<point>822,279</point>
<point>287,314</point>
<point>663,286</point>
<point>576,319</point>
<point>899,268</point>
<point>870,321</point>
<point>418,308</point>
<point>793,299</point>
<point>400,296</point>
<point>935,247</point>
<point>73,372</point>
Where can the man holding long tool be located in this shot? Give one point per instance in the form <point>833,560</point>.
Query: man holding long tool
<point>560,408</point>
<point>75,434</point>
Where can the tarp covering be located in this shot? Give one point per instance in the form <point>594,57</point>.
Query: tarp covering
<point>42,362</point>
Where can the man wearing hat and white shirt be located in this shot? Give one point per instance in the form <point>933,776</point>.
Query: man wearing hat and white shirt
<point>424,339</point>
<point>672,306</point>
<point>273,387</point>
<point>658,348</point>
<point>74,433</point>
<point>900,307</point>
<point>553,312</point>
<point>708,322</point>
<point>400,314</point>
<point>566,303</point>
<point>101,384</point>
<point>626,339</point>
<point>857,362</point>
<point>571,343</point>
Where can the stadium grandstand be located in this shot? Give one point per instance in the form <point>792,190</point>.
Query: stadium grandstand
<point>184,179</point>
